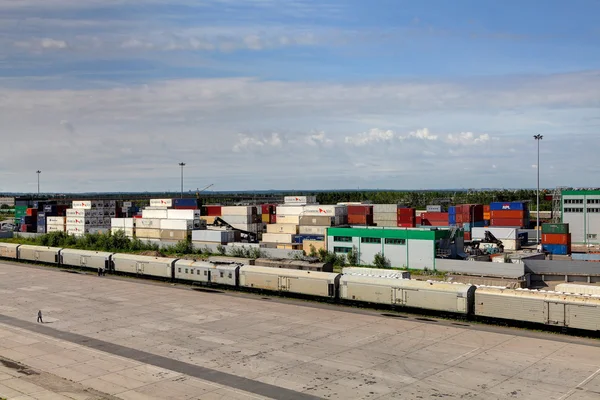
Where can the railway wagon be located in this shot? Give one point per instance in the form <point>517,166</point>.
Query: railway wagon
<point>548,308</point>
<point>39,253</point>
<point>9,250</point>
<point>207,273</point>
<point>321,284</point>
<point>439,296</point>
<point>85,258</point>
<point>160,267</point>
<point>577,289</point>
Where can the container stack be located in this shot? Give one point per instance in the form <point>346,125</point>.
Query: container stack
<point>268,215</point>
<point>244,218</point>
<point>283,232</point>
<point>556,239</point>
<point>21,210</point>
<point>360,214</point>
<point>28,222</point>
<point>385,215</point>
<point>435,219</point>
<point>486,215</point>
<point>56,224</point>
<point>510,214</point>
<point>209,236</point>
<point>315,220</point>
<point>90,216</point>
<point>126,224</point>
<point>165,219</point>
<point>452,216</point>
<point>407,217</point>
<point>48,210</point>
<point>185,204</point>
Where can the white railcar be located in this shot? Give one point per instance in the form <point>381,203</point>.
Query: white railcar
<point>144,265</point>
<point>322,284</point>
<point>9,250</point>
<point>439,296</point>
<point>549,308</point>
<point>207,273</point>
<point>39,253</point>
<point>85,258</point>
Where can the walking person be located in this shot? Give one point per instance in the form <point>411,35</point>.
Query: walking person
<point>39,318</point>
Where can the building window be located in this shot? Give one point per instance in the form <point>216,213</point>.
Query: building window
<point>342,250</point>
<point>593,201</point>
<point>179,270</point>
<point>186,270</point>
<point>230,275</point>
<point>221,274</point>
<point>205,273</point>
<point>342,238</point>
<point>370,240</point>
<point>592,236</point>
<point>573,210</point>
<point>197,272</point>
<point>395,241</point>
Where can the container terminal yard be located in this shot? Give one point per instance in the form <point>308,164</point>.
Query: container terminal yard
<point>297,299</point>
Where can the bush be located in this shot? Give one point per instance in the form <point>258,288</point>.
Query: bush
<point>352,256</point>
<point>380,261</point>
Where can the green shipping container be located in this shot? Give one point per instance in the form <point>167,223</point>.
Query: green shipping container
<point>555,228</point>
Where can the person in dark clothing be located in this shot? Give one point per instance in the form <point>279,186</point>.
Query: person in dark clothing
<point>39,318</point>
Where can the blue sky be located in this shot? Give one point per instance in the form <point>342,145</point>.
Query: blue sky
<point>297,94</point>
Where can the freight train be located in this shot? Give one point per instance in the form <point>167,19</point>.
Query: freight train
<point>555,309</point>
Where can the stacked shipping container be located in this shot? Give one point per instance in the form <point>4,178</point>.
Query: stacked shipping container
<point>244,218</point>
<point>513,214</point>
<point>385,215</point>
<point>407,217</point>
<point>435,219</point>
<point>90,216</point>
<point>360,214</point>
<point>556,238</point>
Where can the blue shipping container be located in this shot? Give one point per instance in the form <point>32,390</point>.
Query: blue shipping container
<point>41,229</point>
<point>185,202</point>
<point>50,208</point>
<point>515,205</point>
<point>560,249</point>
<point>524,236</point>
<point>302,238</point>
<point>452,219</point>
<point>478,224</point>
<point>452,210</point>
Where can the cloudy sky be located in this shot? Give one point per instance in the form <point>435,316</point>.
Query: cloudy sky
<point>110,95</point>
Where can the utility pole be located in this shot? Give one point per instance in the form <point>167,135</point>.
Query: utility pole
<point>538,138</point>
<point>38,172</point>
<point>182,164</point>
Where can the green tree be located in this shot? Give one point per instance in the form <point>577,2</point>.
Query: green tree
<point>380,261</point>
<point>352,256</point>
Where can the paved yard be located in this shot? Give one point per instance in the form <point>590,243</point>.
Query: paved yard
<point>126,339</point>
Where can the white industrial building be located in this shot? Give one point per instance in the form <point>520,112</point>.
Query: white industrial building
<point>581,210</point>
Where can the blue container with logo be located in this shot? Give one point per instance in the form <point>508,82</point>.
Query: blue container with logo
<point>302,238</point>
<point>185,202</point>
<point>514,205</point>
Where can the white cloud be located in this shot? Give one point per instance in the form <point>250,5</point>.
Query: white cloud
<point>422,134</point>
<point>252,143</point>
<point>41,44</point>
<point>374,135</point>
<point>48,43</point>
<point>319,139</point>
<point>468,138</point>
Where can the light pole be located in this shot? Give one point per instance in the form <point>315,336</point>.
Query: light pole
<point>538,138</point>
<point>182,164</point>
<point>38,172</point>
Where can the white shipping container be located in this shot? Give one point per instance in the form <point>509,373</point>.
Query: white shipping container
<point>148,223</point>
<point>177,224</point>
<point>248,227</point>
<point>161,202</point>
<point>278,238</point>
<point>55,228</point>
<point>300,200</point>
<point>289,210</point>
<point>433,208</point>
<point>222,237</point>
<point>313,230</point>
<point>183,214</point>
<point>500,233</point>
<point>98,229</point>
<point>72,212</point>
<point>326,210</point>
<point>55,220</point>
<point>282,228</point>
<point>127,204</point>
<point>82,204</point>
<point>288,219</point>
<point>117,222</point>
<point>239,219</point>
<point>79,221</point>
<point>238,210</point>
<point>160,214</point>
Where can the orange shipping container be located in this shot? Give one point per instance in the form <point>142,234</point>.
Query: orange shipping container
<point>556,238</point>
<point>487,216</point>
<point>507,214</point>
<point>486,208</point>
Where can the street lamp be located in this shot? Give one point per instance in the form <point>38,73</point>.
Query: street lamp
<point>538,138</point>
<point>38,172</point>
<point>181,164</point>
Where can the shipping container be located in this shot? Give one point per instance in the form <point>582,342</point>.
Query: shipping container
<point>238,210</point>
<point>148,223</point>
<point>558,249</point>
<point>185,203</point>
<point>385,217</point>
<point>325,210</point>
<point>71,212</point>
<point>147,233</point>
<point>174,234</point>
<point>406,224</point>
<point>555,228</point>
<point>519,223</point>
<point>317,220</point>
<point>302,238</point>
<point>487,215</point>
<point>312,230</point>
<point>154,214</point>
<point>354,219</point>
<point>317,245</point>
<point>161,202</point>
<point>278,238</point>
<point>213,211</point>
<point>433,208</point>
<point>55,228</point>
<point>177,224</point>
<point>282,228</point>
<point>508,214</point>
<point>241,219</point>
<point>436,216</point>
<point>287,219</point>
<point>556,238</point>
<point>360,209</point>
<point>385,208</point>
<point>516,205</point>
<point>222,237</point>
<point>301,200</point>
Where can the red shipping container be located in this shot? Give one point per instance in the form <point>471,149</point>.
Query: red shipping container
<point>467,235</point>
<point>418,220</point>
<point>508,214</point>
<point>213,211</point>
<point>439,223</point>
<point>273,219</point>
<point>437,216</point>
<point>354,219</point>
<point>556,238</point>
<point>185,207</point>
<point>268,209</point>
<point>137,216</point>
<point>486,208</point>
<point>507,222</point>
<point>407,211</point>
<point>32,212</point>
<point>425,222</point>
<point>356,209</point>
<point>406,225</point>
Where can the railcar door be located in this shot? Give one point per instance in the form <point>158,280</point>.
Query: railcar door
<point>83,261</point>
<point>556,314</point>
<point>139,268</point>
<point>37,255</point>
<point>284,283</point>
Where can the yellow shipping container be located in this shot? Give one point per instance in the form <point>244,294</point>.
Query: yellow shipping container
<point>289,246</point>
<point>487,216</point>
<point>266,218</point>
